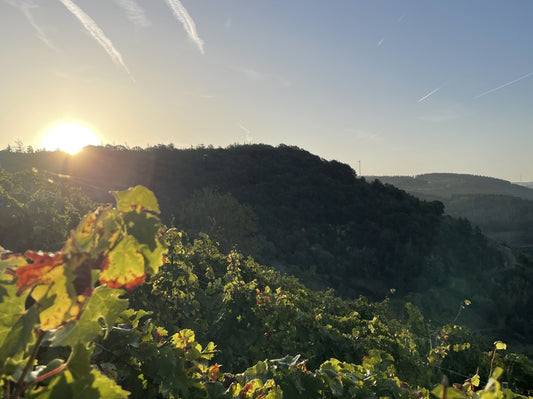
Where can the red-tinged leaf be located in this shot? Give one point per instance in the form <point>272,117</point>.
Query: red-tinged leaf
<point>124,266</point>
<point>212,372</point>
<point>38,272</point>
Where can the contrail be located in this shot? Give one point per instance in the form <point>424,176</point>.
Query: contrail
<point>183,16</point>
<point>25,7</point>
<point>504,85</point>
<point>430,94</point>
<point>134,12</point>
<point>94,30</point>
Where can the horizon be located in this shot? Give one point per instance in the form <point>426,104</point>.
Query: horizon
<point>405,88</point>
<point>210,147</point>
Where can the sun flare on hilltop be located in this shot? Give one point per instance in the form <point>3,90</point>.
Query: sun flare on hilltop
<point>69,137</point>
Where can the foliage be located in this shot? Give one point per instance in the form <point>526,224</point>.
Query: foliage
<point>38,212</point>
<point>63,300</point>
<point>66,329</point>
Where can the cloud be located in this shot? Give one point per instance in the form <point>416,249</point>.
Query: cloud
<point>188,24</point>
<point>527,75</point>
<point>25,6</point>
<point>134,12</point>
<point>97,34</point>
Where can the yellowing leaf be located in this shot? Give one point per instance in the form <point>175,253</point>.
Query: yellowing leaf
<point>183,339</point>
<point>104,305</point>
<point>58,301</point>
<point>500,345</point>
<point>124,266</point>
<point>97,233</point>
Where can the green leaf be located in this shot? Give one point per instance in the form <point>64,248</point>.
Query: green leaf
<point>136,199</point>
<point>146,229</point>
<point>16,324</point>
<point>103,305</point>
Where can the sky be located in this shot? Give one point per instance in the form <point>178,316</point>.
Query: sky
<point>390,87</point>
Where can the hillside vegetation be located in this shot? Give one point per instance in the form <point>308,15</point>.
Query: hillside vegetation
<point>317,220</point>
<point>83,322</point>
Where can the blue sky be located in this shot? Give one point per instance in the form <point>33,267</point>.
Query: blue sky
<point>405,87</point>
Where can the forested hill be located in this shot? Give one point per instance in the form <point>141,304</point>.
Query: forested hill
<point>315,219</point>
<point>290,208</point>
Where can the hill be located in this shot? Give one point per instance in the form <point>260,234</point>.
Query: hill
<point>444,186</point>
<point>503,210</point>
<point>317,220</point>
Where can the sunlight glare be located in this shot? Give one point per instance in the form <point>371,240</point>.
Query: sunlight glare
<point>69,137</point>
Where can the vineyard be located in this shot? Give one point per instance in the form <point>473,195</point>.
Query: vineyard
<point>130,308</point>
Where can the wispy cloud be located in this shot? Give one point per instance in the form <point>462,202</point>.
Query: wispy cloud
<point>188,24</point>
<point>527,75</point>
<point>134,12</point>
<point>97,34</point>
<point>25,7</point>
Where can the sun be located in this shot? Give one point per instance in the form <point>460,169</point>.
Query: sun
<point>69,137</point>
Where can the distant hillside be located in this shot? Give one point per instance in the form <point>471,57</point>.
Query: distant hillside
<point>443,186</point>
<point>503,210</point>
<point>528,184</point>
<point>315,219</point>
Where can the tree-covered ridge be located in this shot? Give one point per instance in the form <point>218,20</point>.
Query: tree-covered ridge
<point>98,348</point>
<point>314,215</point>
<point>317,220</point>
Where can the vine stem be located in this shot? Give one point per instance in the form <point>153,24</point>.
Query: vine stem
<point>19,387</point>
<point>492,362</point>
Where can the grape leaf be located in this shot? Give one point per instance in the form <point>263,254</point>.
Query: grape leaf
<point>58,302</point>
<point>138,199</point>
<point>147,231</point>
<point>97,233</point>
<point>124,266</point>
<point>104,304</point>
<point>52,288</point>
<point>16,325</point>
<point>41,271</point>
